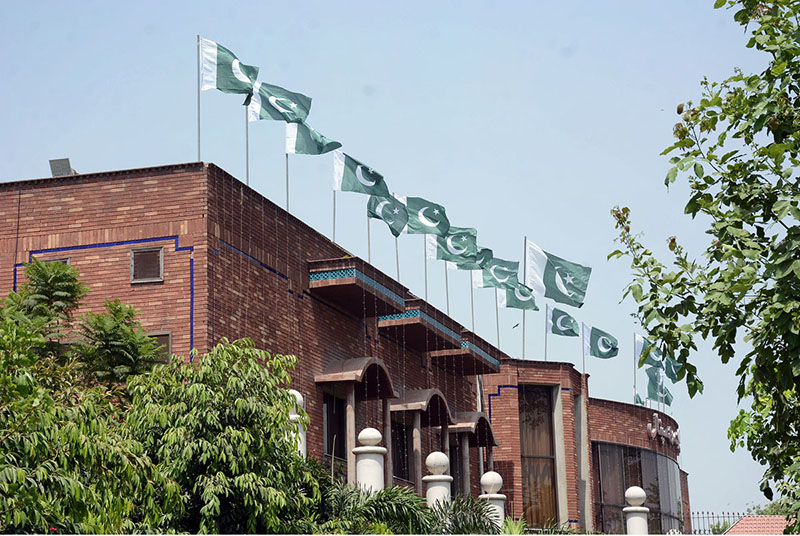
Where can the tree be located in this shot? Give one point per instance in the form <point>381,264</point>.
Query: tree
<point>218,427</point>
<point>738,150</point>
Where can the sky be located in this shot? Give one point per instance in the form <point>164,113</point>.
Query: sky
<point>521,118</point>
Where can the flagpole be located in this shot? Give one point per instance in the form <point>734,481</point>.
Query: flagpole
<point>524,280</point>
<point>369,246</point>
<point>198,97</point>
<point>247,149</point>
<point>334,216</point>
<point>425,264</point>
<point>397,256</point>
<point>583,350</point>
<point>634,368</point>
<point>472,301</point>
<point>446,289</point>
<point>497,317</point>
<point>546,316</point>
<point>287,182</point>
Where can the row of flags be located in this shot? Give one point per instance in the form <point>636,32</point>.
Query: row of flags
<point>545,275</point>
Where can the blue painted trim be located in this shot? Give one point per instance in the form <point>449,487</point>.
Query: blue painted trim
<point>469,346</point>
<point>498,394</point>
<point>566,389</point>
<point>178,248</point>
<point>253,259</point>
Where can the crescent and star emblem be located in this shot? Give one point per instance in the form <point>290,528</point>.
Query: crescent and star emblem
<point>560,285</point>
<point>453,249</point>
<point>520,297</point>
<point>604,345</point>
<point>491,270</point>
<point>274,102</point>
<point>561,326</point>
<point>379,211</point>
<point>360,176</point>
<point>237,72</point>
<point>425,220</point>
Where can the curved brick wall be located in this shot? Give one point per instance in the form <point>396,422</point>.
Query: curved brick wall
<point>626,424</point>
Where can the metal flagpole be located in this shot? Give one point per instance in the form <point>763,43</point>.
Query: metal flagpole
<point>369,246</point>
<point>472,301</point>
<point>546,316</point>
<point>287,182</point>
<point>583,350</point>
<point>334,216</point>
<point>635,359</point>
<point>246,148</point>
<point>497,317</point>
<point>524,280</point>
<point>397,256</point>
<point>446,289</point>
<point>425,257</point>
<point>198,97</point>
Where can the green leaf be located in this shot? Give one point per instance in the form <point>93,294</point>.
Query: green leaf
<point>698,170</point>
<point>671,175</point>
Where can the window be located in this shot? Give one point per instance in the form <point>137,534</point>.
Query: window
<point>147,265</point>
<point>538,455</point>
<point>402,461</point>
<point>333,424</point>
<point>163,341</point>
<point>456,469</point>
<point>62,260</point>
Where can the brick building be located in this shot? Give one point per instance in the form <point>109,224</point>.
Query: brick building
<point>204,257</point>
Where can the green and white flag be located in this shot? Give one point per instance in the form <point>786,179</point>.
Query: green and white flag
<point>654,357</point>
<point>497,273</point>
<point>350,175</point>
<point>519,298</point>
<point>656,390</point>
<point>302,139</point>
<point>426,217</point>
<point>553,277</point>
<point>560,323</point>
<point>483,256</point>
<point>638,400</point>
<point>222,70</point>
<point>599,343</point>
<point>390,210</point>
<point>274,102</point>
<point>460,245</point>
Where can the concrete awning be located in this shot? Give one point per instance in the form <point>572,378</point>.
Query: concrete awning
<point>431,402</point>
<point>368,371</point>
<point>477,426</point>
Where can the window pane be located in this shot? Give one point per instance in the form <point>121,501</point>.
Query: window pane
<point>147,264</point>
<point>455,469</point>
<point>650,479</point>
<point>611,482</point>
<point>664,496</point>
<point>164,350</point>
<point>632,466</point>
<point>335,426</point>
<point>538,491</point>
<point>535,421</point>
<point>612,520</point>
<point>401,463</point>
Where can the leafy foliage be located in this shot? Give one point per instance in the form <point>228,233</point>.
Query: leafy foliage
<point>113,345</point>
<point>738,150</point>
<point>218,428</point>
<point>463,515</point>
<point>510,526</point>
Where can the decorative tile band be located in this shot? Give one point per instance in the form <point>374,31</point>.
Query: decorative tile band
<point>411,313</point>
<point>441,327</point>
<point>352,272</point>
<point>469,346</point>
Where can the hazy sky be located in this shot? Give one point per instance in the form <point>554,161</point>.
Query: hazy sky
<point>521,118</point>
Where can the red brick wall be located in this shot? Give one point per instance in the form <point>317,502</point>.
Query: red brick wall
<point>103,210</point>
<point>503,401</point>
<point>687,508</point>
<point>626,424</point>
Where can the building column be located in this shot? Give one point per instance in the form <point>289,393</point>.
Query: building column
<point>465,463</point>
<point>416,439</point>
<point>350,432</point>
<point>387,435</point>
<point>446,443</point>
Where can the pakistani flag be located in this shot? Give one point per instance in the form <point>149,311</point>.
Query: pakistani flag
<point>350,175</point>
<point>560,323</point>
<point>599,343</point>
<point>554,277</point>
<point>459,245</point>
<point>483,256</point>
<point>426,217</point>
<point>273,102</point>
<point>655,388</point>
<point>222,70</point>
<point>497,273</point>
<point>638,400</point>
<point>654,357</point>
<point>519,298</point>
<point>302,139</point>
<point>390,210</point>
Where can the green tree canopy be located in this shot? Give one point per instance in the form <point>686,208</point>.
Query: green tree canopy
<point>737,148</point>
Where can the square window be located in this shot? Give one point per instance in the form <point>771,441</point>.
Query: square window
<point>147,265</point>
<point>62,260</point>
<point>163,341</point>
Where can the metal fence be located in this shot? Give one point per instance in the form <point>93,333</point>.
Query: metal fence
<point>713,522</point>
